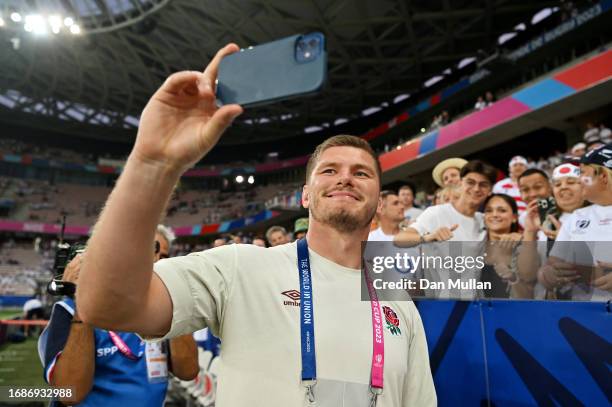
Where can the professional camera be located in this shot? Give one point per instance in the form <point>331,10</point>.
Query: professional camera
<point>63,255</point>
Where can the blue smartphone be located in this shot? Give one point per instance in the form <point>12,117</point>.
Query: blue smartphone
<point>279,70</point>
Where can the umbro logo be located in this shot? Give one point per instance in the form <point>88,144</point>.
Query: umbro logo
<point>294,295</point>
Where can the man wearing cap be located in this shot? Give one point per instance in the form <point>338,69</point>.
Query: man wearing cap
<point>578,150</point>
<point>509,186</point>
<point>589,275</point>
<point>300,229</point>
<point>448,172</point>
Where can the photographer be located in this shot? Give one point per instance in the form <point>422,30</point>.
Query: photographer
<point>533,184</point>
<point>111,368</point>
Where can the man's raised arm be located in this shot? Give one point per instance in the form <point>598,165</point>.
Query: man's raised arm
<point>179,125</point>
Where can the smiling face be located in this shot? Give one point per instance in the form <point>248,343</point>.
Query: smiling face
<point>568,193</point>
<point>342,189</point>
<point>498,215</point>
<point>475,188</point>
<point>534,186</point>
<point>451,176</point>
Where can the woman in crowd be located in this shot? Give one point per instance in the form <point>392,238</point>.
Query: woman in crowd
<point>503,238</point>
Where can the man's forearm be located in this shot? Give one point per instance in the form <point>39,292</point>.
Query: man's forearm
<point>118,264</point>
<point>184,357</point>
<point>407,238</point>
<point>75,366</point>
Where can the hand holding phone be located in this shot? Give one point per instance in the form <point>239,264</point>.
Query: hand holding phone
<point>279,70</point>
<point>547,206</point>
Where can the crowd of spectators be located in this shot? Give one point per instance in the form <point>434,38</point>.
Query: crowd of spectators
<point>38,201</point>
<point>18,147</point>
<point>24,266</point>
<point>544,228</point>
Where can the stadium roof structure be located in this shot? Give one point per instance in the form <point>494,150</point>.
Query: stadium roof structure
<point>95,83</point>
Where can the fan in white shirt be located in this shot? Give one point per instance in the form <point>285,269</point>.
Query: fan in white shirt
<point>459,221</point>
<point>389,214</point>
<point>509,186</point>
<point>588,267</point>
<point>406,197</point>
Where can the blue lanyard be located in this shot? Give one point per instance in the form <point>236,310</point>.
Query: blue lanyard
<point>309,364</point>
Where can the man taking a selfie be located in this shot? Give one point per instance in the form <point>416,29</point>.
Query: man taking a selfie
<point>292,336</point>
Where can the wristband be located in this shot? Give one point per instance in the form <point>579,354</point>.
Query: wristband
<point>76,321</point>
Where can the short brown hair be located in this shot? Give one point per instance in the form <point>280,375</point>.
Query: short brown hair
<point>481,168</point>
<point>274,229</point>
<point>387,192</point>
<point>342,140</point>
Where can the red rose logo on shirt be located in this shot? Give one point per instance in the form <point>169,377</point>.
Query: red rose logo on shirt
<point>393,321</point>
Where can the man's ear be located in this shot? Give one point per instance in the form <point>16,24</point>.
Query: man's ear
<point>379,206</point>
<point>604,178</point>
<point>305,196</point>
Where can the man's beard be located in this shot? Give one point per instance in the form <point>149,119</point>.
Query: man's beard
<point>343,220</point>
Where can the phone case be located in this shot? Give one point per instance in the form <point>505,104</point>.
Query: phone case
<point>271,72</point>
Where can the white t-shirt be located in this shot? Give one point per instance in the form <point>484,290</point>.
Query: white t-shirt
<point>249,297</point>
<point>412,213</point>
<point>592,226</point>
<point>469,235</point>
<point>510,188</point>
<point>388,249</point>
<point>470,228</point>
<point>377,235</point>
